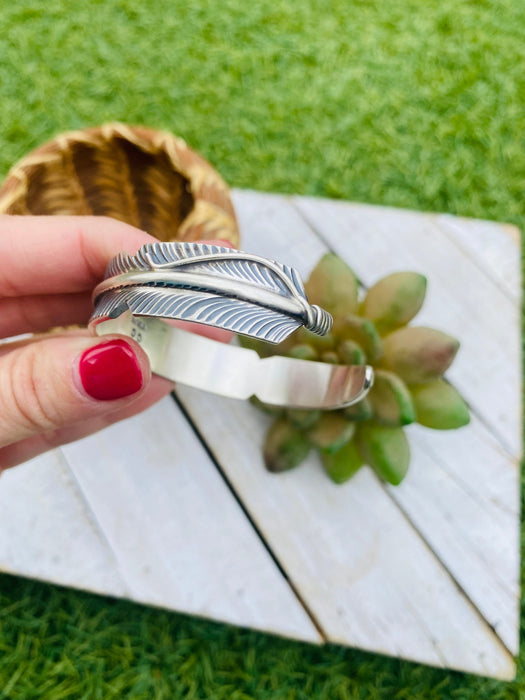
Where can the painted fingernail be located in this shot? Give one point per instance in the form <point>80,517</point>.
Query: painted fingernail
<point>110,371</point>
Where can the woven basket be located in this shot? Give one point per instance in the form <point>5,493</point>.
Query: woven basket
<point>149,179</point>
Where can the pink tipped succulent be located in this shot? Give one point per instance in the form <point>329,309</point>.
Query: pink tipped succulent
<point>409,363</point>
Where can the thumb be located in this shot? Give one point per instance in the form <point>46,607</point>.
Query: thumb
<point>62,380</point>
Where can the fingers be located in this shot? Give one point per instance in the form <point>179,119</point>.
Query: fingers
<point>23,450</point>
<point>61,387</point>
<point>50,266</point>
<point>48,385</point>
<point>35,314</point>
<point>60,254</point>
<point>8,345</point>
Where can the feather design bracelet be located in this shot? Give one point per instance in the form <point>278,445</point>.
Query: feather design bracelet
<point>233,290</point>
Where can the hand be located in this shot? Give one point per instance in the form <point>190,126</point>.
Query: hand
<point>60,386</point>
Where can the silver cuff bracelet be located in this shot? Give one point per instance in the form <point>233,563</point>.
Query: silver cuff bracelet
<point>227,289</point>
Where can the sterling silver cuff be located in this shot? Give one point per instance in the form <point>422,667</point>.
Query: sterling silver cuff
<point>228,289</point>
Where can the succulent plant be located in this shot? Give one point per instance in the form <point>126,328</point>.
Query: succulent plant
<point>409,363</point>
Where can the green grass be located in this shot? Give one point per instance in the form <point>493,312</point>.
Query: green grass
<point>58,644</point>
<point>400,102</point>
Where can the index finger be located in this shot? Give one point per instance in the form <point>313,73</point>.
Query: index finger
<point>60,254</point>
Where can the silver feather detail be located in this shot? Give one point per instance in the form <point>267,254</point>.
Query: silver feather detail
<point>211,259</point>
<point>213,285</point>
<point>198,307</point>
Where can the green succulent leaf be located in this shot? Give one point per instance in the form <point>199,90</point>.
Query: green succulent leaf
<point>331,431</point>
<point>266,407</point>
<point>395,300</point>
<point>351,353</point>
<point>285,447</point>
<point>418,354</point>
<point>438,405</point>
<point>385,449</point>
<point>360,411</point>
<point>391,400</point>
<point>319,342</point>
<point>409,364</point>
<point>303,352</point>
<point>261,348</point>
<point>330,357</point>
<point>302,419</point>
<point>360,330</point>
<point>333,286</point>
<point>342,464</point>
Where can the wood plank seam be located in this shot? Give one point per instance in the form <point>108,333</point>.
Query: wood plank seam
<point>94,520</point>
<point>502,442</point>
<point>446,223</point>
<point>508,587</point>
<point>477,263</point>
<point>460,588</point>
<point>514,463</point>
<point>180,537</point>
<point>465,487</point>
<point>229,485</point>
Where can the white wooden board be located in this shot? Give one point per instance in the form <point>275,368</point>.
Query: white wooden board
<point>427,571</point>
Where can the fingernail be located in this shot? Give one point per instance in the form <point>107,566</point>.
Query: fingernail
<point>110,371</point>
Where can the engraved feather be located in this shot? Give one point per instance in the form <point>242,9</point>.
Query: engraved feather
<point>214,260</point>
<point>213,285</point>
<point>199,307</point>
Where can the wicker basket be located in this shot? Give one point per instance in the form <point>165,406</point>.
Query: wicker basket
<point>149,179</point>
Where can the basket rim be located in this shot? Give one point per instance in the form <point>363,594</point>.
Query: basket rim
<point>147,139</point>
<point>210,193</point>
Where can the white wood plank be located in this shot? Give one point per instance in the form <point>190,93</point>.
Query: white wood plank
<point>359,565</point>
<point>477,536</point>
<point>491,245</point>
<point>462,300</point>
<point>47,532</point>
<point>180,538</point>
<point>271,226</point>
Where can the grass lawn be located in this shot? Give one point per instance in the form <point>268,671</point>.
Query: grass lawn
<point>400,102</point>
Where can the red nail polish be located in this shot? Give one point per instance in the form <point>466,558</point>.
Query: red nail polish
<point>110,371</point>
